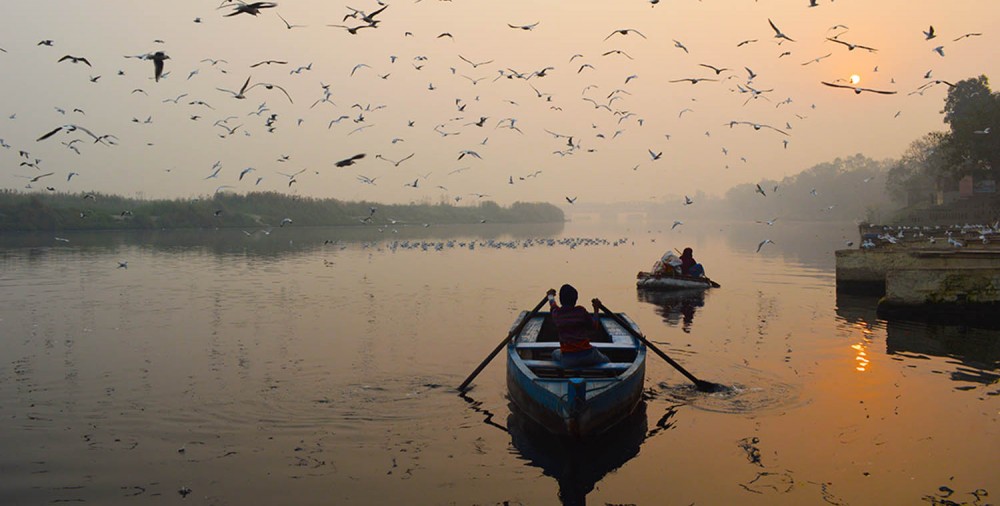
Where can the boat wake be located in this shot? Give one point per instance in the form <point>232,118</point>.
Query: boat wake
<point>756,394</point>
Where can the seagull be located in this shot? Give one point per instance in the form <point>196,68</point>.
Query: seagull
<point>243,90</point>
<point>350,161</point>
<point>571,200</point>
<point>525,27</point>
<point>625,31</point>
<point>971,34</point>
<point>268,62</point>
<point>818,58</point>
<point>777,32</point>
<point>715,69</point>
<point>158,58</point>
<point>852,47</point>
<point>688,201</point>
<point>287,24</point>
<point>68,128</point>
<point>245,172</point>
<point>692,80</point>
<point>75,59</point>
<point>984,131</point>
<point>760,190</point>
<point>253,8</point>
<point>123,265</point>
<point>762,243</point>
<point>469,152</point>
<point>768,222</point>
<point>939,50</point>
<point>285,221</point>
<point>396,163</point>
<point>929,33</point>
<point>474,64</point>
<point>678,44</point>
<point>857,89</point>
<point>655,156</point>
<point>676,222</point>
<point>270,86</point>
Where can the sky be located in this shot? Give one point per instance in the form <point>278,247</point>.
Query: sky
<point>590,105</point>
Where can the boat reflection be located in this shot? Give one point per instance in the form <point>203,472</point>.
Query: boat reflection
<point>577,464</point>
<point>676,306</point>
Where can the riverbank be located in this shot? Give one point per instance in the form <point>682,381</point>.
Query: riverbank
<point>91,211</point>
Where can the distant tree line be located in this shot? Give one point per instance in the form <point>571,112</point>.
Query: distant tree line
<point>94,211</point>
<point>859,188</point>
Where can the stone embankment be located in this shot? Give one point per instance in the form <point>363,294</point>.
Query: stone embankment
<point>926,272</point>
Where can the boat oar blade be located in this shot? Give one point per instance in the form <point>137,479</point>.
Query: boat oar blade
<point>510,335</point>
<point>701,385</point>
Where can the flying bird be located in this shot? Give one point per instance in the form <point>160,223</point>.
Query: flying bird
<point>571,200</point>
<point>655,156</point>
<point>929,33</point>
<point>858,89</point>
<point>625,31</point>
<point>714,69</point>
<point>69,128</point>
<point>762,243</point>
<point>525,27</point>
<point>350,161</point>
<point>75,59</point>
<point>852,47</point>
<point>252,8</point>
<point>777,32</point>
<point>158,58</point>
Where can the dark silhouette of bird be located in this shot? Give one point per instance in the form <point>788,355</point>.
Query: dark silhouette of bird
<point>252,8</point>
<point>157,58</point>
<point>75,59</point>
<point>350,161</point>
<point>858,89</point>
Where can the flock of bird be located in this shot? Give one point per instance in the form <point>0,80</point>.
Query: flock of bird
<point>490,98</point>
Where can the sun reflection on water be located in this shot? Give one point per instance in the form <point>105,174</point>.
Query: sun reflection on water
<point>861,348</point>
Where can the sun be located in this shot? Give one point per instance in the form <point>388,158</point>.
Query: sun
<point>855,79</point>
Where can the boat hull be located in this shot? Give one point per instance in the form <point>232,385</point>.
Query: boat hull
<point>650,281</point>
<point>576,402</point>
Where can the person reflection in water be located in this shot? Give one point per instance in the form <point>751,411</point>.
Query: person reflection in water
<point>575,326</point>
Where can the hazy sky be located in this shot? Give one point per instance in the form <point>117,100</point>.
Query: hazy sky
<point>415,73</point>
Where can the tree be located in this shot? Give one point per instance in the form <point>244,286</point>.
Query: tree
<point>924,164</point>
<point>973,112</point>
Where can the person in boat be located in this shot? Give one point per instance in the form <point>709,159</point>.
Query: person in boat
<point>689,266</point>
<point>574,326</point>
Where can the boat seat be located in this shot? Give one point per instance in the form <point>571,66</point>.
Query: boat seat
<point>552,364</point>
<point>551,345</point>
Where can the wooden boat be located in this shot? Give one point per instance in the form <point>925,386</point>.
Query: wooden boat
<point>581,401</point>
<point>651,281</point>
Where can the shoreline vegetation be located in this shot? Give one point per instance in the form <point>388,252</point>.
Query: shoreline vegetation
<point>94,211</point>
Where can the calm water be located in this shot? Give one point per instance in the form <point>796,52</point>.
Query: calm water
<point>319,366</point>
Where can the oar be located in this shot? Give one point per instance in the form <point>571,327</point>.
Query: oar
<point>515,331</point>
<point>703,386</point>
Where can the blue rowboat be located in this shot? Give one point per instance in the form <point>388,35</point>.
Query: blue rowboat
<point>581,401</point>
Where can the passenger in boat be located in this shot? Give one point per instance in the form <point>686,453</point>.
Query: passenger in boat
<point>575,326</point>
<point>689,266</point>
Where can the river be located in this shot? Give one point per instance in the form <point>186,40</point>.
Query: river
<point>318,366</point>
